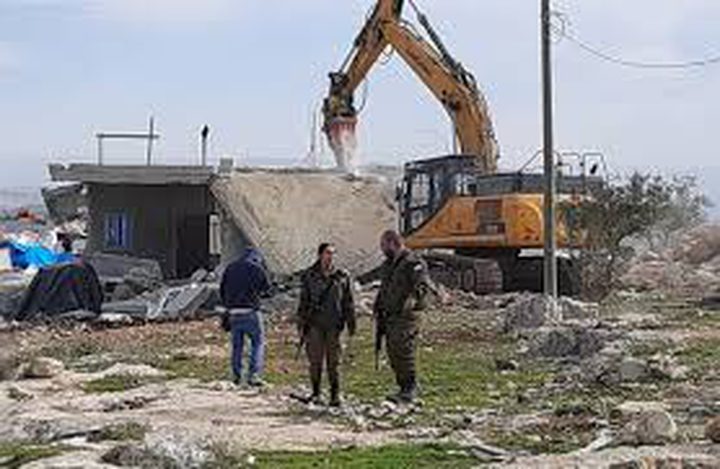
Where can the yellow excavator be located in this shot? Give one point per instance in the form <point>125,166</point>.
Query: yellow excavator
<point>474,225</point>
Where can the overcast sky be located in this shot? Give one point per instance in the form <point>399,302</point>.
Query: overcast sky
<point>255,71</point>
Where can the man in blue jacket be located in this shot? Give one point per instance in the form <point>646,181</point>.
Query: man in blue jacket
<point>244,282</point>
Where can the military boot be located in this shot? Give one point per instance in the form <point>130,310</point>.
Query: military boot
<point>315,397</point>
<point>408,392</point>
<point>335,395</point>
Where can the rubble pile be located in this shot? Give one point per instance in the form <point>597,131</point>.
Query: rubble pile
<point>690,266</point>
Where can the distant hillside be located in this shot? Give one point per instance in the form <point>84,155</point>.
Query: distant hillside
<point>16,197</point>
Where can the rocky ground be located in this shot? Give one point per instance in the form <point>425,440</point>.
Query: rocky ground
<point>506,382</point>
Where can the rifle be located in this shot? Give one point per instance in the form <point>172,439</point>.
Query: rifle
<point>379,334</point>
<point>301,344</point>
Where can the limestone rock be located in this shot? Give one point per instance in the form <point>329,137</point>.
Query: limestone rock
<point>652,427</point>
<point>571,308</point>
<point>712,430</point>
<point>42,368</point>
<point>135,456</point>
<point>529,312</point>
<point>560,342</point>
<point>7,365</point>
<point>632,370</point>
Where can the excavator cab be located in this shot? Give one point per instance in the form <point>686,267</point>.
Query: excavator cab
<point>475,209</point>
<point>480,232</point>
<point>428,184</point>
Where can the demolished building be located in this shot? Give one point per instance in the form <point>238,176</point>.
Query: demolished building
<point>191,217</point>
<point>153,212</point>
<point>288,213</point>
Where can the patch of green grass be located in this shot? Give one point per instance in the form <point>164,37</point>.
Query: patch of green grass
<point>540,443</point>
<point>595,399</point>
<point>703,358</point>
<point>648,349</point>
<point>391,457</point>
<point>202,368</point>
<point>117,383</point>
<point>128,431</point>
<point>456,368</point>
<point>71,351</point>
<point>15,455</point>
<point>453,373</point>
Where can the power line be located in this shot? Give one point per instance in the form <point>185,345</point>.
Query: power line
<point>563,31</point>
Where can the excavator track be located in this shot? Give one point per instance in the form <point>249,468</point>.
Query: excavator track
<point>482,275</point>
<point>476,275</point>
<point>526,274</point>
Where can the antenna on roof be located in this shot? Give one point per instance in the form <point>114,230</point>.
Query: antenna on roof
<point>150,136</point>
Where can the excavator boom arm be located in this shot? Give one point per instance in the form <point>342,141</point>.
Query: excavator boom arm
<point>454,87</point>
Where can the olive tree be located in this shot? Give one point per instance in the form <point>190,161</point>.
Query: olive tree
<point>639,207</point>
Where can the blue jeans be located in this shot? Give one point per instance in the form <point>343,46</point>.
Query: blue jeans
<point>250,325</point>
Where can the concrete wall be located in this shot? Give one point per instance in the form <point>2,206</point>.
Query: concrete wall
<point>234,240</point>
<point>158,216</point>
<point>287,214</point>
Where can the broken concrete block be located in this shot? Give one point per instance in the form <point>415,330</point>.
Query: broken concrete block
<point>180,302</point>
<point>113,267</point>
<point>80,315</point>
<point>65,203</point>
<point>136,308</point>
<point>199,275</point>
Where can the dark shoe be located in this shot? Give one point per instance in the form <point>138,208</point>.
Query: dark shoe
<point>406,397</point>
<point>408,393</point>
<point>237,381</point>
<point>316,399</point>
<point>335,394</point>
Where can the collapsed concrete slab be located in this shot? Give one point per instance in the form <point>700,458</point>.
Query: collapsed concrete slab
<point>65,203</point>
<point>287,213</point>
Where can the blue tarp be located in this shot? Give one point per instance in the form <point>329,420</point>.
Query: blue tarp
<point>36,255</point>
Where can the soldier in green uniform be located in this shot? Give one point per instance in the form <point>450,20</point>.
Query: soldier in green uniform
<point>402,295</point>
<point>326,308</point>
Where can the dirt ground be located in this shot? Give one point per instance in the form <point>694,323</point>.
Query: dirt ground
<point>486,397</point>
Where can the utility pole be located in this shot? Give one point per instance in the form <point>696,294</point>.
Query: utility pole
<point>550,268</point>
